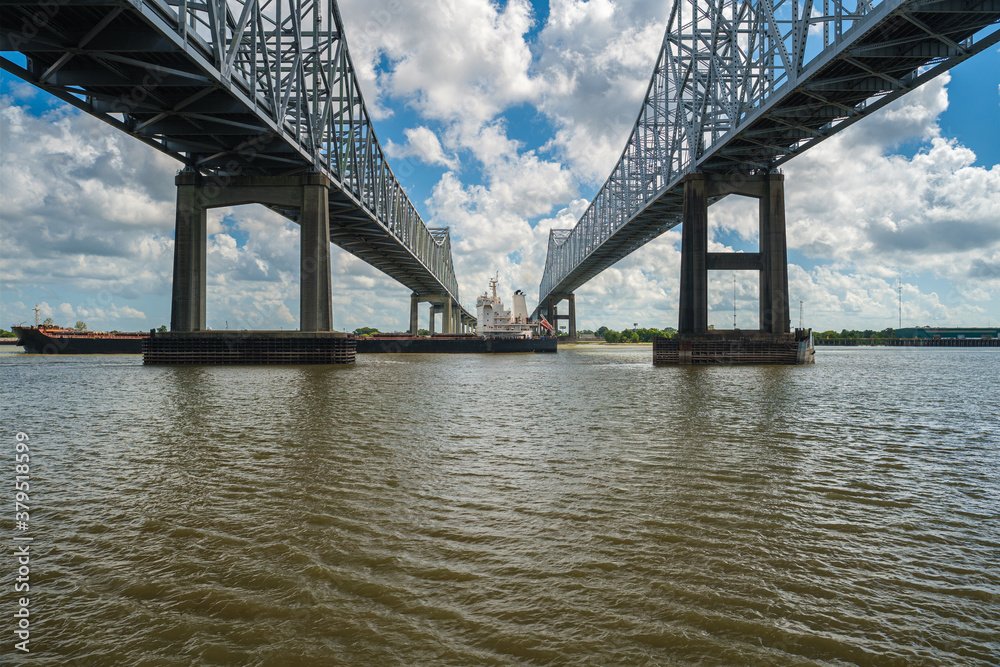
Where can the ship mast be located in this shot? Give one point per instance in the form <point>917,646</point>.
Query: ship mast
<point>37,322</point>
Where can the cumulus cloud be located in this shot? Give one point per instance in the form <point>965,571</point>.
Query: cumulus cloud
<point>596,61</point>
<point>452,60</point>
<point>422,144</point>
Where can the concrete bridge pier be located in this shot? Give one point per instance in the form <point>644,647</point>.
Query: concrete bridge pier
<point>414,314</point>
<point>451,313</point>
<point>434,311</point>
<point>771,261</point>
<point>188,307</point>
<point>315,291</point>
<point>552,311</point>
<point>307,194</point>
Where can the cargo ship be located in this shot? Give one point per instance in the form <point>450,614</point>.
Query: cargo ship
<point>497,330</point>
<point>54,340</point>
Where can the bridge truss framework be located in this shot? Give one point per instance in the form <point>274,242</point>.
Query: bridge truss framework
<point>237,89</point>
<point>742,86</point>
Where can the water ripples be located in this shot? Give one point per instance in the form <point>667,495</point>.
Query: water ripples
<point>581,508</point>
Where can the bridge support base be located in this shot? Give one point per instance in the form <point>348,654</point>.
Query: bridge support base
<point>735,347</point>
<point>414,314</point>
<point>771,261</point>
<point>308,195</point>
<point>452,318</point>
<point>249,347</point>
<point>188,307</point>
<point>315,292</point>
<point>553,316</point>
<point>773,343</point>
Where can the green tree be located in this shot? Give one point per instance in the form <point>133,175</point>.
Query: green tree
<point>48,322</point>
<point>162,328</point>
<point>80,325</point>
<point>365,331</point>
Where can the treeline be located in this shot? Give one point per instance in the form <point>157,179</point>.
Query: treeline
<point>853,333</point>
<point>633,335</point>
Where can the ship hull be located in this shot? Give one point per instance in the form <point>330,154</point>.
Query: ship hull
<point>35,341</point>
<point>456,345</point>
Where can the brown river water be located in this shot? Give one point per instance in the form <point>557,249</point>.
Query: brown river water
<point>582,508</point>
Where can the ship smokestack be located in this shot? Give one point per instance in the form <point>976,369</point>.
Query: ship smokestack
<point>520,309</point>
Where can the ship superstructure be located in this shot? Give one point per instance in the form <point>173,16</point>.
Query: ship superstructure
<point>495,321</point>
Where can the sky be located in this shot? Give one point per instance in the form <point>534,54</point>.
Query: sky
<point>502,120</point>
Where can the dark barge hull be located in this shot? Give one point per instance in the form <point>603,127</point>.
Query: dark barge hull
<point>453,345</point>
<point>35,341</point>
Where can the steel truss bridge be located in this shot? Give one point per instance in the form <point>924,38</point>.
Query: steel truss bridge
<point>741,87</point>
<point>237,90</point>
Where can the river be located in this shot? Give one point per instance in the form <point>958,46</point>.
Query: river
<point>581,508</point>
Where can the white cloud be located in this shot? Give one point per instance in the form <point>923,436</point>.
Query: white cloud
<point>452,60</point>
<point>596,61</point>
<point>423,144</point>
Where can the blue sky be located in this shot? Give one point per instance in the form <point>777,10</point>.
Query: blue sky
<point>502,121</point>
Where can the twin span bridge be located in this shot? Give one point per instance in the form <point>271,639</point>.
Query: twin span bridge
<point>259,100</point>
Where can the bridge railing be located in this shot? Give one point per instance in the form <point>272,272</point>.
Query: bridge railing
<point>720,60</point>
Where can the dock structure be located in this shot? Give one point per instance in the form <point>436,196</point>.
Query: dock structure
<point>248,347</point>
<point>909,342</point>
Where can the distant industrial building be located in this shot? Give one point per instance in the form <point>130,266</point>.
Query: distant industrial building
<point>942,332</point>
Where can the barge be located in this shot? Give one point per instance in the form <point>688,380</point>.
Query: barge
<point>451,344</point>
<point>54,340</point>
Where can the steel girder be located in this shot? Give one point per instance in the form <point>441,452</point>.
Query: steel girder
<point>742,86</point>
<point>234,88</point>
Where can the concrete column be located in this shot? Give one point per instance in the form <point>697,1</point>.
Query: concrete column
<point>414,314</point>
<point>187,310</point>
<point>774,310</point>
<point>572,315</point>
<point>315,293</point>
<point>446,318</point>
<point>694,258</point>
<point>430,326</point>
